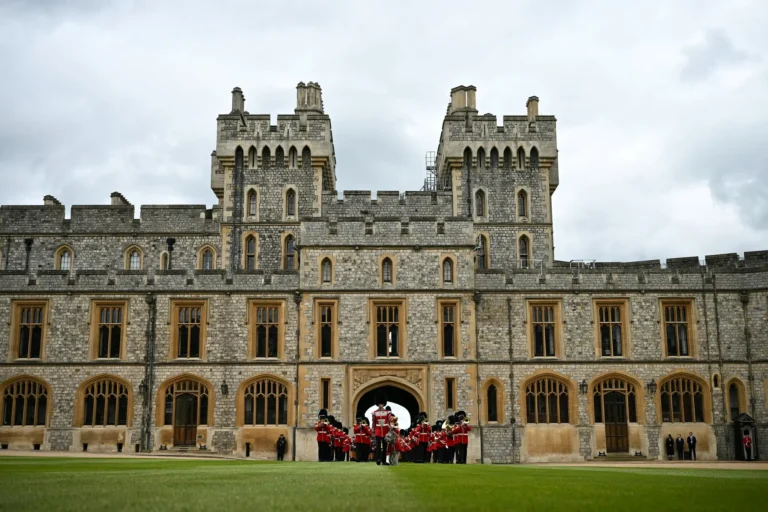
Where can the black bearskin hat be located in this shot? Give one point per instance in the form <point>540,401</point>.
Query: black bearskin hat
<point>381,398</point>
<point>359,419</point>
<point>422,416</point>
<point>460,415</point>
<point>322,414</point>
<point>403,432</point>
<point>331,420</point>
<point>438,424</point>
<point>345,430</point>
<point>451,419</point>
<point>388,408</point>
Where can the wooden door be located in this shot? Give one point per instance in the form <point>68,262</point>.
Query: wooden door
<point>185,425</point>
<point>616,427</point>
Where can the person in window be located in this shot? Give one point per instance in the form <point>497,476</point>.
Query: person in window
<point>680,444</point>
<point>281,442</point>
<point>670,447</point>
<point>692,445</point>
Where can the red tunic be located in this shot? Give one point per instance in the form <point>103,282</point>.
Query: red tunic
<point>347,444</point>
<point>381,419</point>
<point>424,431</point>
<point>450,441</point>
<point>361,436</point>
<point>322,432</point>
<point>338,438</point>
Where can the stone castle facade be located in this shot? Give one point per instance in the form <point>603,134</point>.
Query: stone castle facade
<point>223,328</point>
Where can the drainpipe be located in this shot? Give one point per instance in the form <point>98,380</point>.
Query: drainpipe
<point>478,399</point>
<point>149,372</point>
<point>709,353</point>
<point>511,376</point>
<point>744,296</point>
<point>297,300</point>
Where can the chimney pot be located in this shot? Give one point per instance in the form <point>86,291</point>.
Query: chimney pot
<point>533,107</point>
<point>238,100</point>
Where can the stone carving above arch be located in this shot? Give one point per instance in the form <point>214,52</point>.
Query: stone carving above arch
<point>415,376</point>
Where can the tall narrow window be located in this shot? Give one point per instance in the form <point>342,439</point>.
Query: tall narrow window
<point>492,404</point>
<point>252,204</point>
<point>25,404</point>
<point>65,260</point>
<point>733,401</point>
<point>682,400</point>
<point>290,253</point>
<point>481,253</point>
<point>265,402</point>
<point>534,158</point>
<point>266,157</point>
<point>494,158</point>
<point>326,330</point>
<point>325,394</point>
<point>610,319</point>
<point>448,326</point>
<point>164,261</point>
<point>520,158</point>
<point>250,253</point>
<point>447,270</point>
<point>292,157</point>
<point>188,327</point>
<point>279,157</point>
<point>267,331</point>
<point>207,257</point>
<point>326,269</point>
<point>290,200</point>
<point>676,328</point>
<point>306,158</point>
<point>30,331</point>
<point>523,252</point>
<point>388,330</point>
<point>467,158</point>
<point>110,332</point>
<point>252,158</point>
<point>522,204</point>
<point>479,203</point>
<point>134,260</point>
<point>386,270</point>
<point>507,158</point>
<point>546,401</point>
<point>105,404</point>
<point>450,393</point>
<point>481,158</point>
<point>543,328</point>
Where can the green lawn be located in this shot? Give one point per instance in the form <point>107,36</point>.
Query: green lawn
<point>70,484</point>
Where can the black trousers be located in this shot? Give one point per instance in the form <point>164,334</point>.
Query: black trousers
<point>421,453</point>
<point>280,454</point>
<point>461,454</point>
<point>451,454</point>
<point>680,453</point>
<point>381,450</point>
<point>692,449</point>
<point>339,453</point>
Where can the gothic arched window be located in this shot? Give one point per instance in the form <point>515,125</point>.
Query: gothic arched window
<point>290,203</point>
<point>494,158</point>
<point>520,158</point>
<point>480,210</point>
<point>250,252</point>
<point>524,252</point>
<point>279,157</point>
<point>25,403</point>
<point>386,270</point>
<point>105,403</point>
<point>682,400</point>
<point>266,157</point>
<point>481,253</point>
<point>447,270</point>
<point>290,253</point>
<point>252,204</point>
<point>265,402</point>
<point>480,158</point>
<point>546,401</point>
<point>326,269</point>
<point>507,158</point>
<point>534,158</point>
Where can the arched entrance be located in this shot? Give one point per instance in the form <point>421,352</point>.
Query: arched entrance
<point>395,394</point>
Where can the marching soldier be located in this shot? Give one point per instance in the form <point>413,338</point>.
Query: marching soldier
<point>321,427</point>
<point>381,418</point>
<point>450,442</point>
<point>346,445</point>
<point>461,436</point>
<point>338,442</point>
<point>362,439</point>
<point>424,434</point>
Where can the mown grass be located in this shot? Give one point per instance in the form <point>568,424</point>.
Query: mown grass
<point>71,484</point>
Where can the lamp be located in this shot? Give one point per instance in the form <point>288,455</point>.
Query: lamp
<point>583,387</point>
<point>143,389</point>
<point>652,387</point>
<point>224,388</point>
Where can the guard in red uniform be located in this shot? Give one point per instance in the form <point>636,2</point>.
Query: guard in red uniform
<point>424,431</point>
<point>450,441</point>
<point>381,418</point>
<point>362,439</point>
<point>461,435</point>
<point>346,445</point>
<point>338,442</point>
<point>323,439</point>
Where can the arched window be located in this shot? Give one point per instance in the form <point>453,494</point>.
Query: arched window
<point>250,252</point>
<point>326,268</point>
<point>164,261</point>
<point>480,158</point>
<point>64,259</point>
<point>479,203</point>
<point>252,157</point>
<point>522,204</point>
<point>105,403</point>
<point>279,157</point>
<point>290,203</point>
<point>25,403</point>
<point>306,158</point>
<point>716,381</point>
<point>682,400</point>
<point>266,157</point>
<point>447,270</point>
<point>207,259</point>
<point>133,258</point>
<point>190,398</point>
<point>491,403</point>
<point>494,158</point>
<point>290,253</point>
<point>523,252</point>
<point>733,400</point>
<point>507,158</point>
<point>534,158</point>
<point>546,401</point>
<point>386,270</point>
<point>252,204</point>
<point>292,157</point>
<point>520,158</point>
<point>265,402</point>
<point>467,158</point>
<point>615,401</point>
<point>481,253</point>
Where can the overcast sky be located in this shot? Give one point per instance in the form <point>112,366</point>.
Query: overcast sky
<point>662,107</point>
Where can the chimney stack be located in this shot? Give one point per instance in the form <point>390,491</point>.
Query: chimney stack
<point>51,201</point>
<point>533,107</point>
<point>119,199</point>
<point>463,99</point>
<point>309,97</point>
<point>238,100</point>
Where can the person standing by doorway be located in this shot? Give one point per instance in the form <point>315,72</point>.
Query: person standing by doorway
<point>670,447</point>
<point>381,418</point>
<point>747,440</point>
<point>692,445</point>
<point>680,445</point>
<point>281,443</point>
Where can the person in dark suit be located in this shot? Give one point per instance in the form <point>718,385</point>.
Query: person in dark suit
<point>670,447</point>
<point>281,442</point>
<point>692,445</point>
<point>680,444</point>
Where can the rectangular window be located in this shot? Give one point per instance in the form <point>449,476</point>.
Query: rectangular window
<point>450,393</point>
<point>325,393</point>
<point>388,330</point>
<point>108,330</point>
<point>29,320</point>
<point>188,329</point>
<point>326,330</point>
<point>448,312</point>
<point>611,328</point>
<point>266,330</point>
<point>544,319</point>
<point>677,328</point>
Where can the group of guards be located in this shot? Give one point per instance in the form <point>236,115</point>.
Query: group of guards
<point>443,442</point>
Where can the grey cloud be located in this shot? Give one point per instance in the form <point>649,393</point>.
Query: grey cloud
<point>715,51</point>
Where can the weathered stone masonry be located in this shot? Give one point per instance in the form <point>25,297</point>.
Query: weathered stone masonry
<point>726,297</point>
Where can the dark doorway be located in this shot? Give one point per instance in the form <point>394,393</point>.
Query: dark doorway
<point>616,427</point>
<point>394,394</point>
<point>185,425</point>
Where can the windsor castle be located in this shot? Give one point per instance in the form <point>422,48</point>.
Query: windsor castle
<point>219,329</point>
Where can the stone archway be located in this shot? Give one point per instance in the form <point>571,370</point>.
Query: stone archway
<point>405,386</point>
<point>396,394</point>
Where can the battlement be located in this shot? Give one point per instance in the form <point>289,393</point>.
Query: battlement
<point>687,264</point>
<point>388,203</point>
